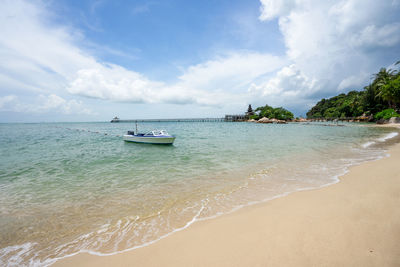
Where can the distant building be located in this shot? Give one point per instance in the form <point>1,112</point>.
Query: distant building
<point>240,117</point>
<point>115,119</point>
<point>249,111</point>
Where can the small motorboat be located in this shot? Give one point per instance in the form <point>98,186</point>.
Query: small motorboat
<point>153,137</point>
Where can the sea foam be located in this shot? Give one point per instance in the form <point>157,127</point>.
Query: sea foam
<point>381,139</point>
<point>388,136</point>
<point>367,144</point>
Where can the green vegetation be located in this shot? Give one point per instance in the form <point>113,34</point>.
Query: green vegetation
<point>381,95</point>
<point>386,114</point>
<point>350,105</point>
<point>341,106</point>
<point>272,113</point>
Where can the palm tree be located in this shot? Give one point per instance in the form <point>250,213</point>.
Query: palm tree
<point>391,92</point>
<point>382,78</point>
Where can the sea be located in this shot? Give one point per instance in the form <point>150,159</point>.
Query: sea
<point>67,188</point>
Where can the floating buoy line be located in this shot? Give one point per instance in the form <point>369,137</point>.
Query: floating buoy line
<point>89,131</point>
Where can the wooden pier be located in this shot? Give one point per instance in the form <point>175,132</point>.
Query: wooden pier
<point>172,120</point>
<point>240,117</point>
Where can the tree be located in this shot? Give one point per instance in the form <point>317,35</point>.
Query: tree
<point>282,114</point>
<point>332,113</point>
<point>382,93</point>
<point>391,92</point>
<point>273,113</point>
<point>343,105</point>
<point>265,111</point>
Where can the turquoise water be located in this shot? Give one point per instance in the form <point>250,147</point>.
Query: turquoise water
<point>71,187</point>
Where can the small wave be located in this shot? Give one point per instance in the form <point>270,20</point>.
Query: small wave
<point>382,139</point>
<point>14,254</point>
<point>367,144</point>
<point>388,136</point>
<point>18,255</point>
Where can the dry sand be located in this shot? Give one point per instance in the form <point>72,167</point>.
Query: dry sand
<point>353,223</point>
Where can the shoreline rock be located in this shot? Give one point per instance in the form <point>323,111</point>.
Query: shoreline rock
<point>267,120</point>
<point>392,120</point>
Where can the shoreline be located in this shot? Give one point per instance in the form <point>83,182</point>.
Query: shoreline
<point>292,230</point>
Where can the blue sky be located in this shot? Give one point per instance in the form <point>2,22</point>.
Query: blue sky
<point>161,37</point>
<point>92,60</point>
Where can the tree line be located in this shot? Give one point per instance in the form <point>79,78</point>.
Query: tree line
<point>380,99</point>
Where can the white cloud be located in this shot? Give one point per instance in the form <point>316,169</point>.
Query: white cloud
<point>5,101</point>
<point>114,83</point>
<point>289,88</point>
<point>47,60</point>
<point>331,46</point>
<point>234,70</point>
<point>42,56</point>
<point>272,9</point>
<point>335,45</point>
<point>211,83</point>
<point>373,36</point>
<point>43,104</point>
<point>56,103</point>
<point>289,81</point>
<point>353,81</point>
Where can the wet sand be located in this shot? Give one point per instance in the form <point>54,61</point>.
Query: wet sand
<point>352,223</point>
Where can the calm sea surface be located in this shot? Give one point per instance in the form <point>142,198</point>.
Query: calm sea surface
<point>71,187</point>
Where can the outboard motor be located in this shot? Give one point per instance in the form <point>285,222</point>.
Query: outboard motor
<point>131,132</point>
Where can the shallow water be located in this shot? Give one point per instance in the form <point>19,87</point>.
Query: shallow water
<point>70,187</point>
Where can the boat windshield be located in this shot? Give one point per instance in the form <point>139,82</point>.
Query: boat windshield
<point>157,133</point>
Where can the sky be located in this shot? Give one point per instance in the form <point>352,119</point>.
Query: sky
<point>70,60</point>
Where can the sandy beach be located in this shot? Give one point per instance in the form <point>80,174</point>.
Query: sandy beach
<point>355,222</point>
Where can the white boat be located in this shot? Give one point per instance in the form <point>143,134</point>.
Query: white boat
<point>152,137</point>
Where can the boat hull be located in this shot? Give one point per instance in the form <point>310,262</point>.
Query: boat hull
<point>159,140</point>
